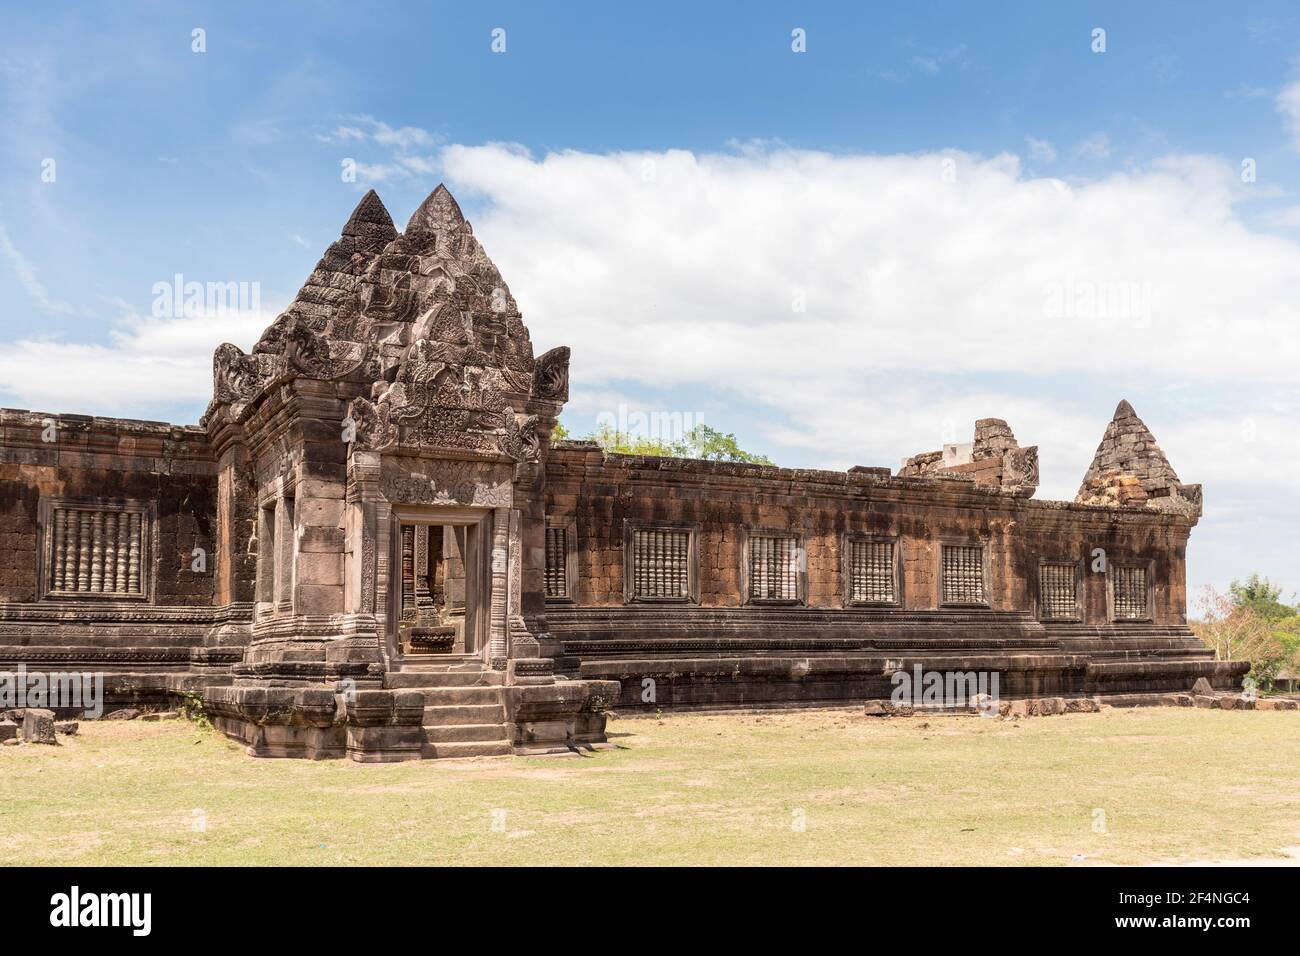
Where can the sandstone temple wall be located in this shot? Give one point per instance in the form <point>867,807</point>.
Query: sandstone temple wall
<point>601,495</point>
<point>139,485</point>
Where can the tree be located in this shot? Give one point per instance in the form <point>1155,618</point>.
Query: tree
<point>1250,623</point>
<point>713,445</point>
<point>700,442</point>
<point>1261,596</point>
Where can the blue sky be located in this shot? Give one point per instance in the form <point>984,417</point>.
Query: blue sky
<point>658,182</point>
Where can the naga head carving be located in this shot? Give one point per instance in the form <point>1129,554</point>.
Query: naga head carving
<point>551,375</point>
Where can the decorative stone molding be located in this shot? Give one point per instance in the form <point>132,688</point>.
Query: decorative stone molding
<point>448,482</point>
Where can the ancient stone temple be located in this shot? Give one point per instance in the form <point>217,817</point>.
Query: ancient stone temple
<point>371,546</point>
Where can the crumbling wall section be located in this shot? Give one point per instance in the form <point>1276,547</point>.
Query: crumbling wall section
<point>994,459</point>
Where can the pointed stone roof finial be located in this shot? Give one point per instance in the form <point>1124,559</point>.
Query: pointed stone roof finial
<point>1130,469</point>
<point>438,213</point>
<point>370,219</point>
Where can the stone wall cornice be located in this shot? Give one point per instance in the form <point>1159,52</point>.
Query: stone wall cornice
<point>585,462</point>
<point>112,443</point>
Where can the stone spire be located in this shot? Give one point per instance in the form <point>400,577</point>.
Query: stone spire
<point>1130,469</point>
<point>438,213</point>
<point>338,275</point>
<point>370,220</point>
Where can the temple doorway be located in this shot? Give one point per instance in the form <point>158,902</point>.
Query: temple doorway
<point>438,602</point>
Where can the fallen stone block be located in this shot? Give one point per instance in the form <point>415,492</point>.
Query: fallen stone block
<point>38,726</point>
<point>1227,702</point>
<point>1202,688</point>
<point>1082,705</point>
<point>1202,700</point>
<point>8,731</point>
<point>15,715</point>
<point>1046,706</point>
<point>1275,703</point>
<point>1018,708</point>
<point>126,713</point>
<point>65,727</point>
<point>11,742</point>
<point>887,708</point>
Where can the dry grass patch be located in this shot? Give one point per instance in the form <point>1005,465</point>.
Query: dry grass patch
<point>802,788</point>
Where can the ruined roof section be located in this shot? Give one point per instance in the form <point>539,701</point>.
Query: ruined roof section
<point>993,459</point>
<point>1130,469</point>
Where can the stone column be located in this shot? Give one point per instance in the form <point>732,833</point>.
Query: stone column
<point>498,648</point>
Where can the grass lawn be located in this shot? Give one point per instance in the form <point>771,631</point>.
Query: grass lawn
<point>1162,785</point>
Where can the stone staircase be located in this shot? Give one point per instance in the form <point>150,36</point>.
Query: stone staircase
<point>464,710</point>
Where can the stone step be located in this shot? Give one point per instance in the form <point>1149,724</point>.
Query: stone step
<point>416,680</point>
<point>466,733</point>
<point>496,748</point>
<point>448,715</point>
<point>461,695</point>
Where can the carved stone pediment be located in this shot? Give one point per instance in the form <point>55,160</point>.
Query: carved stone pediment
<point>425,316</point>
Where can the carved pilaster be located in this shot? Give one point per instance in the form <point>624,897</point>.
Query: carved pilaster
<point>498,647</point>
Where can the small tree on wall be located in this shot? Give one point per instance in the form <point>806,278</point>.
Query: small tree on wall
<point>700,442</point>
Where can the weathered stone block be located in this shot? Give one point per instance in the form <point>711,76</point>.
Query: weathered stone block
<point>319,569</point>
<point>38,726</point>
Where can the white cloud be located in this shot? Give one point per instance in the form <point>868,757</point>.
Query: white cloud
<point>25,272</point>
<point>678,268</point>
<point>149,363</point>
<point>401,138</point>
<point>1041,150</point>
<point>394,143</point>
<point>1288,104</point>
<point>1096,146</point>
